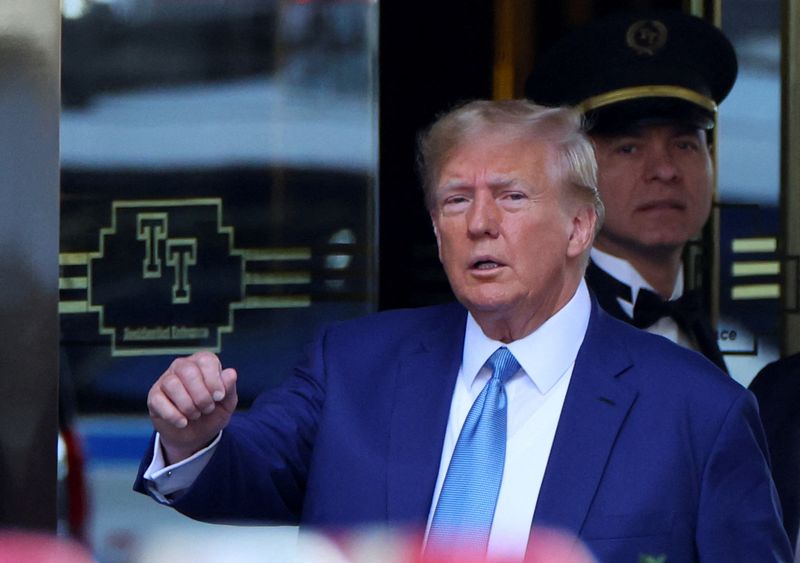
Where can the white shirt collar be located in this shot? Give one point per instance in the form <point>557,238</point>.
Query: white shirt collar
<point>546,354</point>
<point>622,270</point>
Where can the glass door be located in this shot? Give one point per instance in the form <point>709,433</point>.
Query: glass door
<point>748,151</point>
<point>219,183</point>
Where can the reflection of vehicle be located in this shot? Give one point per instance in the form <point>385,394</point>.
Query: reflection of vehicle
<point>120,45</point>
<point>130,44</point>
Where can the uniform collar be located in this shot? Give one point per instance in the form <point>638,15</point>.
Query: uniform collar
<point>624,272</point>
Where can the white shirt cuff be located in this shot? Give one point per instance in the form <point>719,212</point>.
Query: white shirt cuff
<point>164,480</point>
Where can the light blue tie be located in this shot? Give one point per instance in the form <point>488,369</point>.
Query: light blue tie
<point>464,513</point>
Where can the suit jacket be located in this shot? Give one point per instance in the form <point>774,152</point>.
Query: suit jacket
<point>777,388</point>
<point>606,289</point>
<point>656,451</point>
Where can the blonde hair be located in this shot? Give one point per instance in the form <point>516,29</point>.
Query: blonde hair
<point>518,119</point>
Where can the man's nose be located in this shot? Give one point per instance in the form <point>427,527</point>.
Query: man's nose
<point>483,217</point>
<point>661,165</point>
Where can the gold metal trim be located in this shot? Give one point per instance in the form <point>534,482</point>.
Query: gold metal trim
<point>652,91</point>
<point>790,175</point>
<point>514,38</point>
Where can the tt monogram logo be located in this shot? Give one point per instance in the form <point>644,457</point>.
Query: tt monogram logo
<point>151,228</point>
<point>180,253</point>
<point>166,278</point>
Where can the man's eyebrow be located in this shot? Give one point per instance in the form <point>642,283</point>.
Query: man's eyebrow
<point>503,181</point>
<point>493,181</point>
<point>454,184</point>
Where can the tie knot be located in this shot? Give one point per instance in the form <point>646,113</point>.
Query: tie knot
<point>503,364</point>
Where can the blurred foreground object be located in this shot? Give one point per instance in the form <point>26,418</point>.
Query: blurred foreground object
<point>33,547</point>
<point>369,545</point>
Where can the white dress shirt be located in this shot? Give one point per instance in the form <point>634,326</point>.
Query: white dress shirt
<point>535,397</point>
<point>623,271</point>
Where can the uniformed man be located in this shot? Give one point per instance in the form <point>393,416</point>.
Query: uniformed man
<point>649,86</point>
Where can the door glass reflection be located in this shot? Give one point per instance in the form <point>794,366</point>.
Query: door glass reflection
<point>749,185</point>
<point>218,192</point>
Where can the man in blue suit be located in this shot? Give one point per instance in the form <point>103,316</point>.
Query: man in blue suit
<point>621,438</point>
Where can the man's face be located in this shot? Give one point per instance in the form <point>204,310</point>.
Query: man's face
<point>656,184</point>
<point>509,237</point>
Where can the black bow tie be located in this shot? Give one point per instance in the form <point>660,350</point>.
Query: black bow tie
<point>650,307</point>
<point>688,311</point>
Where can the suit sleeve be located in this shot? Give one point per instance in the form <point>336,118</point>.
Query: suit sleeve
<point>259,469</point>
<point>739,514</point>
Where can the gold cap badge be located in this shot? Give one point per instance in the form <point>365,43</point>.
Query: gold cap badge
<point>646,37</point>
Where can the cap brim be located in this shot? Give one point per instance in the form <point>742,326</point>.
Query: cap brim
<point>618,117</point>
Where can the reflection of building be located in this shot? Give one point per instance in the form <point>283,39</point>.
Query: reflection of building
<point>181,107</point>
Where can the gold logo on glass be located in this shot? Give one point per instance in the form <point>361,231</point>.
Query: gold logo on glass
<point>166,278</point>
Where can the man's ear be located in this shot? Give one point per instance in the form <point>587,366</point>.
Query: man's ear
<point>581,236</point>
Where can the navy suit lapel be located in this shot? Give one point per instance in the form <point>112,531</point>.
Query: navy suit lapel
<point>595,408</point>
<point>424,388</point>
<point>607,289</point>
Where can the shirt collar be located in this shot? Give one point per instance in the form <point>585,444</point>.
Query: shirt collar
<point>624,271</point>
<point>546,354</point>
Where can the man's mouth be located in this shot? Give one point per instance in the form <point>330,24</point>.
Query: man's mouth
<point>663,204</point>
<point>485,265</point>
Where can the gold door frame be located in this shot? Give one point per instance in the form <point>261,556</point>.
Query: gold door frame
<point>789,243</point>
